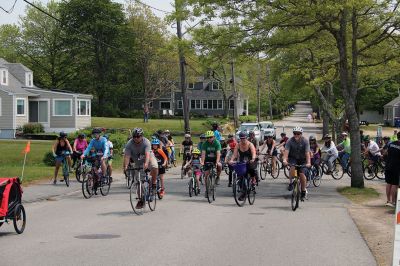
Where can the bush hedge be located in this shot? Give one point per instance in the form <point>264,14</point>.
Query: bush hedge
<point>32,128</point>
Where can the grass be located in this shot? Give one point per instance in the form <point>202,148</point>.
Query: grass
<point>358,195</point>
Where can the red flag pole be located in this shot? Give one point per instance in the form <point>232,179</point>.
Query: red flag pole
<point>26,150</point>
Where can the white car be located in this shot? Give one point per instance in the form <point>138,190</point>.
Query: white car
<point>267,127</point>
<point>247,127</point>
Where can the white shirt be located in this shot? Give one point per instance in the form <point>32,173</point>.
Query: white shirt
<point>110,146</point>
<point>373,148</point>
<point>331,150</point>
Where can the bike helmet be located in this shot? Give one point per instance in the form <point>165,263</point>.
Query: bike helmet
<point>230,136</point>
<point>96,131</point>
<point>187,135</point>
<point>137,132</point>
<point>386,138</point>
<point>327,136</point>
<point>155,142</point>
<point>196,151</point>
<point>298,129</point>
<point>209,134</point>
<point>283,134</point>
<point>63,134</point>
<point>344,133</point>
<point>203,136</point>
<point>251,133</point>
<point>81,135</point>
<point>312,138</point>
<point>366,138</point>
<point>166,131</point>
<point>242,135</point>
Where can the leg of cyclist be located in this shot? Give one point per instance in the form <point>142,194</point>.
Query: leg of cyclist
<point>103,166</point>
<point>303,182</point>
<point>58,164</point>
<point>206,174</point>
<point>109,161</point>
<point>219,170</point>
<point>230,173</point>
<point>197,174</point>
<point>291,174</point>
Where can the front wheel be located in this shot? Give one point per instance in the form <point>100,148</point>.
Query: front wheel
<point>316,172</point>
<point>151,197</point>
<point>66,173</point>
<point>136,197</point>
<point>286,171</point>
<point>87,186</point>
<point>19,219</point>
<point>251,193</point>
<point>275,174</point>
<point>239,194</point>
<point>191,187</point>
<point>295,195</point>
<point>78,173</point>
<point>263,170</point>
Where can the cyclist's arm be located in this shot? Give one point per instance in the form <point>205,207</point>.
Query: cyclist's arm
<point>285,155</point>
<point>203,157</point>
<point>74,147</point>
<point>68,145</point>
<point>105,149</point>
<point>262,147</point>
<point>235,153</point>
<point>127,159</point>
<point>273,146</point>
<point>54,147</point>
<point>218,156</point>
<point>188,163</point>
<point>162,153</point>
<point>253,152</point>
<point>89,147</point>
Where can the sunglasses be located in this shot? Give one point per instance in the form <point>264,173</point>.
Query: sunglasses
<point>137,137</point>
<point>297,133</point>
<point>209,137</point>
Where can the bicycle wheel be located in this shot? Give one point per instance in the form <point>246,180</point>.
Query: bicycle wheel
<point>87,186</point>
<point>159,188</point>
<point>337,171</point>
<point>105,185</point>
<point>226,169</point>
<point>251,192</point>
<point>234,177</point>
<point>151,197</point>
<point>78,172</point>
<point>369,172</point>
<point>136,195</point>
<point>349,170</point>
<point>19,219</point>
<point>324,168</point>
<point>295,195</point>
<point>238,192</point>
<point>275,174</point>
<point>316,175</point>
<point>66,173</point>
<point>380,171</point>
<point>191,187</point>
<point>263,170</point>
<point>129,178</point>
<point>213,187</point>
<point>286,171</point>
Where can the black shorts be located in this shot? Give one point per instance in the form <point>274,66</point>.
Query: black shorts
<point>274,152</point>
<point>299,162</point>
<point>392,176</point>
<point>207,167</point>
<point>161,170</point>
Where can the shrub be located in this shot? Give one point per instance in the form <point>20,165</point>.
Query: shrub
<point>49,159</point>
<point>32,128</point>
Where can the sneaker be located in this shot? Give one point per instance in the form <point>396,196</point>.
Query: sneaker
<point>230,185</point>
<point>241,198</point>
<point>139,205</point>
<point>198,190</point>
<point>110,179</point>
<point>303,195</point>
<point>389,204</point>
<point>162,193</point>
<point>61,180</point>
<point>290,187</point>
<point>253,181</point>
<point>54,181</point>
<point>217,180</point>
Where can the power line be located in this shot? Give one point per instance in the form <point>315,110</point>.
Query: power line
<point>152,7</point>
<point>11,9</point>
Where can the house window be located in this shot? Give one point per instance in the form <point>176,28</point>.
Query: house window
<point>165,105</point>
<point>210,104</point>
<point>215,85</point>
<point>4,77</point>
<point>83,108</point>
<point>220,105</point>
<point>28,79</point>
<point>198,104</point>
<point>62,107</point>
<point>180,104</point>
<point>0,107</point>
<point>20,107</point>
<point>231,104</point>
<point>205,104</point>
<point>195,104</point>
<point>191,86</point>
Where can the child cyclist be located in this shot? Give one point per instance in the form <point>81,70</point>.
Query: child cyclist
<point>194,165</point>
<point>162,160</point>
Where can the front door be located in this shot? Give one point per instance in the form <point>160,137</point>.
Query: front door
<point>39,112</point>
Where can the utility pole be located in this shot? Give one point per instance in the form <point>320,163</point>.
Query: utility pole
<point>235,96</point>
<point>182,66</point>
<point>269,88</point>
<point>258,89</point>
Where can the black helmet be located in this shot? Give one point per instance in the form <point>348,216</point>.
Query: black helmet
<point>242,135</point>
<point>311,138</point>
<point>251,133</point>
<point>96,131</point>
<point>137,132</point>
<point>81,135</point>
<point>230,136</point>
<point>283,134</point>
<point>63,134</point>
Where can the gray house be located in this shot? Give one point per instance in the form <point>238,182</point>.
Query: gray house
<point>391,112</point>
<point>22,102</point>
<point>205,97</point>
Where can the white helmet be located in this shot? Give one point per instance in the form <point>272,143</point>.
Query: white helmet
<point>298,129</point>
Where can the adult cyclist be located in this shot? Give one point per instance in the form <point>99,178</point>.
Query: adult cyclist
<point>186,149</point>
<point>211,153</point>
<point>110,146</point>
<point>138,150</point>
<point>61,148</point>
<point>345,152</point>
<point>215,128</point>
<point>99,143</point>
<point>297,152</point>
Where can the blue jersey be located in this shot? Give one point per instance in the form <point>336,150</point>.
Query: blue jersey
<point>217,135</point>
<point>99,145</point>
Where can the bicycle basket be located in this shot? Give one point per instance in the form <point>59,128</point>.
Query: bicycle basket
<point>240,169</point>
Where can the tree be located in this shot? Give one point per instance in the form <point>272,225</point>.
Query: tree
<point>9,36</point>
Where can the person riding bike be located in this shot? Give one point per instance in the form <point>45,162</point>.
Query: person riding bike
<point>372,150</point>
<point>186,149</point>
<point>100,145</point>
<point>162,161</point>
<point>138,150</point>
<point>193,166</point>
<point>246,152</point>
<point>80,145</point>
<point>61,148</point>
<point>211,153</point>
<point>110,154</point>
<point>297,152</point>
<point>271,150</point>
<point>315,152</point>
<point>329,152</point>
<point>345,152</point>
<point>224,149</point>
<point>202,140</point>
<point>228,158</point>
<point>215,128</point>
<point>253,140</point>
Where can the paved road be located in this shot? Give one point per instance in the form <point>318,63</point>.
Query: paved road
<point>70,230</point>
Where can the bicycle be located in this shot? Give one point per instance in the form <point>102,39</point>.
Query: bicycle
<point>242,187</point>
<point>159,188</point>
<point>186,159</point>
<point>79,170</point>
<point>210,182</point>
<point>314,176</point>
<point>376,169</point>
<point>295,198</point>
<point>335,171</point>
<point>129,175</point>
<point>193,188</point>
<point>142,191</point>
<point>266,167</point>
<point>95,179</point>
<point>65,167</point>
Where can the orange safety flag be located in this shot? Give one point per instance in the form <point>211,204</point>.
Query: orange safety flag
<point>27,148</point>
<point>398,218</point>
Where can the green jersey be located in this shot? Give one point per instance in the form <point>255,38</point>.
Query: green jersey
<point>346,145</point>
<point>211,150</point>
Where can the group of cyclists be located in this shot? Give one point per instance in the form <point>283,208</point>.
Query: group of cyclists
<point>213,150</point>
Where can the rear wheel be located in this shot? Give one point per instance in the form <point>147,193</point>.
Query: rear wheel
<point>87,186</point>
<point>151,197</point>
<point>191,187</point>
<point>238,191</point>
<point>286,171</point>
<point>337,171</point>
<point>380,171</point>
<point>263,172</point>
<point>369,172</point>
<point>251,193</point>
<point>317,175</point>
<point>79,171</point>
<point>19,219</point>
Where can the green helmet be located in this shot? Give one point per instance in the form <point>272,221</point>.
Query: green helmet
<point>209,134</point>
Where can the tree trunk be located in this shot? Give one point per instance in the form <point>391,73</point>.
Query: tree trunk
<point>325,123</point>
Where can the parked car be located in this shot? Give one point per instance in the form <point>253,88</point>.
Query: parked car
<point>267,127</point>
<point>247,127</point>
<point>364,123</point>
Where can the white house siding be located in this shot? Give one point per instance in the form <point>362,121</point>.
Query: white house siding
<point>6,116</point>
<point>83,122</point>
<point>21,120</point>
<point>371,116</point>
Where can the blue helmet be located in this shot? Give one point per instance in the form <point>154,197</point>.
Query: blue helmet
<point>155,142</point>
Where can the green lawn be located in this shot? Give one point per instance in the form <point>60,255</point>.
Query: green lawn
<point>174,125</point>
<point>358,195</point>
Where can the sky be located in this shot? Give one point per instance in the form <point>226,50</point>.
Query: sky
<point>21,5</point>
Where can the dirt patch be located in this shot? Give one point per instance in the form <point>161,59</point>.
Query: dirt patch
<point>376,224</point>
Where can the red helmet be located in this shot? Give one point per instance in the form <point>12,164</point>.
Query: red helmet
<point>232,144</point>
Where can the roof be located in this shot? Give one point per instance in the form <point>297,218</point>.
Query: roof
<point>394,102</point>
<point>38,90</point>
<point>3,63</point>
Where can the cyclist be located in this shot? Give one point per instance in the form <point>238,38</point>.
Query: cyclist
<point>315,152</point>
<point>394,136</point>
<point>138,150</point>
<point>100,145</point>
<point>246,152</point>
<point>372,150</point>
<point>61,148</point>
<point>253,140</point>
<point>211,153</point>
<point>162,160</point>
<point>329,151</point>
<point>281,146</point>
<point>202,140</point>
<point>228,158</point>
<point>297,151</point>
<point>384,149</point>
<point>171,148</point>
<point>80,144</point>
<point>110,154</point>
<point>345,153</point>
<point>215,128</point>
<point>271,150</point>
<point>224,149</point>
<point>194,166</point>
<point>186,148</point>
